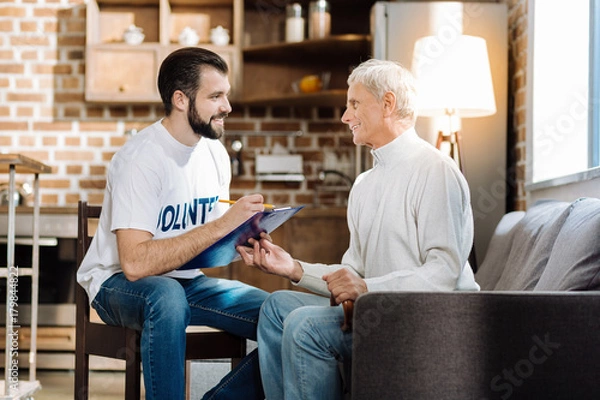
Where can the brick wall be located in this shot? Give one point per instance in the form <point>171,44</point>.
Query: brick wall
<point>517,68</point>
<point>43,114</point>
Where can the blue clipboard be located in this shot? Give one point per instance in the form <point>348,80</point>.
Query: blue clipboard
<point>223,252</point>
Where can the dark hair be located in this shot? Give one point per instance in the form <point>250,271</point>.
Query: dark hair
<point>182,69</point>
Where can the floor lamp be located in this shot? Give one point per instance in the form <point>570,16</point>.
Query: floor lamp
<point>454,81</point>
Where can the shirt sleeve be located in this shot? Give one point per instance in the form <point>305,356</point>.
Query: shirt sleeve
<point>351,260</point>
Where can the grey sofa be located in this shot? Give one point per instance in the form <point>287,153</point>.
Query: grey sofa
<point>532,332</point>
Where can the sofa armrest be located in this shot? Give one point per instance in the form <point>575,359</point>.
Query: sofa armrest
<point>492,345</point>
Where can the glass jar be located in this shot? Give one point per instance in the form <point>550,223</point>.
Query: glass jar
<point>319,20</point>
<point>294,23</point>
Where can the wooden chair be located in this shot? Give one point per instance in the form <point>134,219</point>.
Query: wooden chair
<point>97,338</point>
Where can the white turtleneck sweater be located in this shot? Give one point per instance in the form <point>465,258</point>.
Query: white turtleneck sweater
<point>410,221</point>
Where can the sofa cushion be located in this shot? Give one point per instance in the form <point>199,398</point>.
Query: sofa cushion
<point>532,244</point>
<point>575,260</point>
<point>493,265</point>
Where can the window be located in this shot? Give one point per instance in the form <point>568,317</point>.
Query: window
<point>563,87</point>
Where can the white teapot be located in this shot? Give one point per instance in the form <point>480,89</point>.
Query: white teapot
<point>133,35</point>
<point>219,36</point>
<point>188,37</point>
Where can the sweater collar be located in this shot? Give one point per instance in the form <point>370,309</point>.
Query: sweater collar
<point>396,149</point>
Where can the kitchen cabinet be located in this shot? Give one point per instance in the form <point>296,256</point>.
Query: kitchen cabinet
<point>272,66</point>
<point>117,72</point>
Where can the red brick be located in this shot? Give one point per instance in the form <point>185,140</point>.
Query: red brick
<point>49,140</point>
<point>49,199</point>
<point>238,126</point>
<point>107,156</point>
<point>74,169</point>
<point>69,97</point>
<point>49,183</point>
<point>118,140</point>
<point>6,25</point>
<point>52,126</point>
<point>64,41</point>
<point>13,12</point>
<point>13,126</point>
<point>23,97</point>
<point>94,111</point>
<point>12,69</point>
<point>92,183</point>
<point>72,112</point>
<point>97,170</point>
<point>96,198</point>
<point>24,111</point>
<point>72,198</point>
<point>107,126</point>
<point>29,26</point>
<point>73,141</point>
<point>79,155</point>
<point>24,83</point>
<point>95,142</point>
<point>29,41</point>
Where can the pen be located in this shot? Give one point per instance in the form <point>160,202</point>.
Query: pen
<point>233,202</point>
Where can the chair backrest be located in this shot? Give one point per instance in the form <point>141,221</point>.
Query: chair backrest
<point>87,217</point>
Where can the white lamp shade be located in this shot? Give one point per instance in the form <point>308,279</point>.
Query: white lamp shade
<point>453,78</point>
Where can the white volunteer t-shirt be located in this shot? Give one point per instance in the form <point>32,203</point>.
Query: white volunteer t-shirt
<point>159,185</point>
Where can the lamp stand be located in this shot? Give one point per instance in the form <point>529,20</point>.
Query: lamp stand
<point>455,141</point>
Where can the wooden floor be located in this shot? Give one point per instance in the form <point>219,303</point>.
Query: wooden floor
<point>58,385</point>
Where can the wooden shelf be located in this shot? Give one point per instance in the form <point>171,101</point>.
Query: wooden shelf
<point>310,51</point>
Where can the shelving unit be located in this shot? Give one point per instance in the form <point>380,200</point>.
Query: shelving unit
<point>262,66</point>
<point>117,72</point>
<point>271,65</point>
<point>13,164</point>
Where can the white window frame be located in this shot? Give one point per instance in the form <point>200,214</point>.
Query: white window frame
<point>576,184</point>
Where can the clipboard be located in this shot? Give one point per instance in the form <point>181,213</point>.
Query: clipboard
<point>223,252</point>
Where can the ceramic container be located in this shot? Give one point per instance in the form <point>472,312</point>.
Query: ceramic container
<point>133,35</point>
<point>188,37</point>
<point>219,36</point>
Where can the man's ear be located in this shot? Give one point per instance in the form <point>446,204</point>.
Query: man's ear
<point>180,101</point>
<point>389,103</point>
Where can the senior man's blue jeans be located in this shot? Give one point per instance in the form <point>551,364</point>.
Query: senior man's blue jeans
<point>162,307</point>
<point>301,346</point>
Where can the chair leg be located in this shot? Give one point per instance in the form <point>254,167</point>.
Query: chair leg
<point>243,350</point>
<point>82,376</point>
<point>132,366</point>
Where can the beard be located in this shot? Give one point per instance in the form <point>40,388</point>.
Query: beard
<point>201,128</point>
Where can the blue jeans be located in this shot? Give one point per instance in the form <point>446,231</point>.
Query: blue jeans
<point>301,346</point>
<point>162,307</point>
